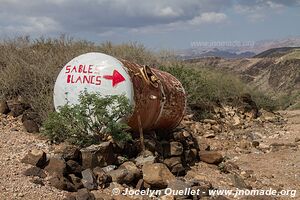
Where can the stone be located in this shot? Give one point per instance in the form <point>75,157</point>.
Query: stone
<point>178,170</point>
<point>101,176</point>
<point>210,121</point>
<point>236,120</point>
<point>31,126</point>
<point>121,160</point>
<point>118,175</point>
<point>140,185</point>
<point>37,181</point>
<point>76,181</point>
<point>35,157</point>
<point>84,194</point>
<point>56,166</point>
<point>255,143</point>
<point>268,116</point>
<point>71,153</point>
<point>170,162</point>
<point>297,139</point>
<point>133,173</point>
<point>73,167</point>
<point>202,143</point>
<point>190,156</point>
<point>89,179</point>
<point>157,175</point>
<point>238,182</point>
<point>3,107</point>
<point>209,135</point>
<point>61,183</point>
<point>211,157</point>
<point>109,168</point>
<point>172,149</point>
<point>35,171</point>
<point>179,185</point>
<point>142,160</point>
<point>228,167</point>
<point>98,155</point>
<point>16,108</point>
<point>31,115</point>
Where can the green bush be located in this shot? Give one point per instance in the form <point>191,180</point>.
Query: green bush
<point>91,121</point>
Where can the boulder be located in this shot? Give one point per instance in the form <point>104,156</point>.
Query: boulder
<point>101,176</point>
<point>69,152</point>
<point>133,172</point>
<point>98,155</point>
<point>31,126</point>
<point>73,167</point>
<point>171,162</point>
<point>76,181</point>
<point>61,183</point>
<point>89,179</point>
<point>178,170</point>
<point>157,175</point>
<point>119,175</point>
<point>172,149</point>
<point>144,160</point>
<point>211,157</point>
<point>35,171</point>
<point>190,156</point>
<point>35,157</point>
<point>56,166</point>
<point>3,107</point>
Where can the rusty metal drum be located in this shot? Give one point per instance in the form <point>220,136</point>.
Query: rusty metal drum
<point>158,98</point>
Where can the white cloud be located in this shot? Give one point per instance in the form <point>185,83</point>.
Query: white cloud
<point>209,17</point>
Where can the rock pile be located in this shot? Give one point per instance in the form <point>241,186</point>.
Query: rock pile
<point>108,165</point>
<point>15,108</point>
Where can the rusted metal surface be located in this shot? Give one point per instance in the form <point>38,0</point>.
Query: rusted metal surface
<point>159,97</point>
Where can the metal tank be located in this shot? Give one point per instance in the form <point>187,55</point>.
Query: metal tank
<point>158,98</point>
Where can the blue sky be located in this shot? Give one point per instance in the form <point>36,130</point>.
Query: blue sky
<point>159,24</point>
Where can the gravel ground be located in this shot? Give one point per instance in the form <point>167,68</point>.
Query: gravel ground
<point>14,144</point>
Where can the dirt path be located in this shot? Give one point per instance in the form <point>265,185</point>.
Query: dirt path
<point>279,169</point>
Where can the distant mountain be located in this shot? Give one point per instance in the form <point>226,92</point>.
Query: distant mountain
<point>244,50</point>
<point>277,52</point>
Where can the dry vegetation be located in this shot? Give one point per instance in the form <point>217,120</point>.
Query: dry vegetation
<point>29,69</point>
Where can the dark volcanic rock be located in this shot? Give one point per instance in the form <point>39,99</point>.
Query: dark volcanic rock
<point>56,166</point>
<point>31,126</point>
<point>98,155</point>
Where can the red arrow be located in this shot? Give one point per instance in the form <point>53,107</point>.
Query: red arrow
<point>116,78</point>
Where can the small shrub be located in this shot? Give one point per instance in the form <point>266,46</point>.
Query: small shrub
<point>90,121</point>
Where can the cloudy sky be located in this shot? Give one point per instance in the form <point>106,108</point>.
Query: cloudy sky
<point>155,23</point>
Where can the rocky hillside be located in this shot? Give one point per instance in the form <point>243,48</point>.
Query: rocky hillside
<point>276,70</point>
